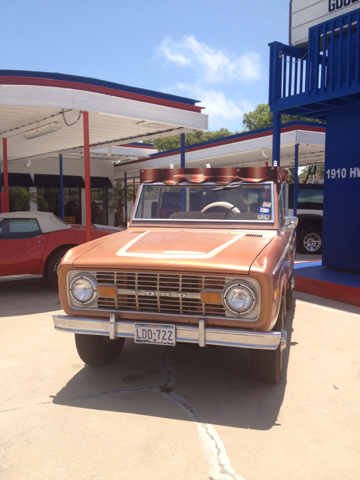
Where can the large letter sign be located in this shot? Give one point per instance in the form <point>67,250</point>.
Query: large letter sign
<point>314,12</point>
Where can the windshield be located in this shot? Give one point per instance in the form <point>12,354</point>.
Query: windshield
<point>233,202</point>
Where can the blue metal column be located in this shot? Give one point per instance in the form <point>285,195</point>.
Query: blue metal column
<point>61,187</point>
<point>125,194</point>
<point>182,165</point>
<point>276,139</point>
<point>296,179</point>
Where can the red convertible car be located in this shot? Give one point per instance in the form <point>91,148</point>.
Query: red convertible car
<point>35,242</point>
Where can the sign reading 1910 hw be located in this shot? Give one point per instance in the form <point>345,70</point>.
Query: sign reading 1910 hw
<point>307,13</point>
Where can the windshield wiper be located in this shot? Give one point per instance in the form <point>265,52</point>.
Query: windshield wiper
<point>227,187</point>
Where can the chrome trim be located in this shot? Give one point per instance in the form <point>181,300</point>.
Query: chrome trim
<point>283,339</point>
<point>160,294</point>
<point>282,258</point>
<point>112,333</point>
<point>253,339</point>
<point>175,315</point>
<point>195,185</point>
<point>202,333</point>
<point>246,286</point>
<point>192,220</point>
<point>157,293</point>
<point>90,279</point>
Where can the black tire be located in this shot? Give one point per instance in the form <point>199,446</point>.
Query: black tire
<point>267,365</point>
<point>96,350</point>
<point>52,266</point>
<point>289,295</point>
<point>309,240</point>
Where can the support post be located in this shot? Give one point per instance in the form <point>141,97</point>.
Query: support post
<point>182,157</point>
<point>276,139</point>
<point>182,165</point>
<point>296,179</point>
<point>134,187</point>
<point>61,187</point>
<point>125,200</point>
<point>5,195</point>
<point>87,175</point>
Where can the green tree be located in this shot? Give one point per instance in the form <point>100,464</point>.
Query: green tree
<point>170,143</point>
<point>20,199</point>
<point>118,197</point>
<point>316,171</point>
<point>261,117</point>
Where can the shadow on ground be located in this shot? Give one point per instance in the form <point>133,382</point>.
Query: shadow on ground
<point>30,296</point>
<point>213,382</point>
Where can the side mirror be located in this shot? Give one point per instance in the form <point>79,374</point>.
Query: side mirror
<point>290,223</point>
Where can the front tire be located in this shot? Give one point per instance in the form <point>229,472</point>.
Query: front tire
<point>53,264</point>
<point>289,295</point>
<point>96,350</point>
<point>267,365</point>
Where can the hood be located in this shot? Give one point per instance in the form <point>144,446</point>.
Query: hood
<point>175,249</point>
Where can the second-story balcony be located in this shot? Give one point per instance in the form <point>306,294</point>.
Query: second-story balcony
<point>326,75</point>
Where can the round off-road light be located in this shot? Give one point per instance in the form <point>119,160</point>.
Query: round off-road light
<point>239,298</point>
<point>83,289</point>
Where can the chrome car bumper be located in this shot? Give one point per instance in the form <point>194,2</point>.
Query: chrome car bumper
<point>201,334</point>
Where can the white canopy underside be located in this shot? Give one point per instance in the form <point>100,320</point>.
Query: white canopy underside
<point>112,121</point>
<point>251,152</point>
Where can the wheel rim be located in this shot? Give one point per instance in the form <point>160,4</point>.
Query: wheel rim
<point>312,242</point>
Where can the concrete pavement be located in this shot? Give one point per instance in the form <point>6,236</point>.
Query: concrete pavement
<point>181,412</point>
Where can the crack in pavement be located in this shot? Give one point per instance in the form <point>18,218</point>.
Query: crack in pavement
<point>211,444</point>
<point>150,388</point>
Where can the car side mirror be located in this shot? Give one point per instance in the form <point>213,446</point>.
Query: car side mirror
<point>290,223</point>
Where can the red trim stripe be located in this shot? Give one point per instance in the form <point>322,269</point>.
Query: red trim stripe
<point>41,82</point>
<point>333,291</point>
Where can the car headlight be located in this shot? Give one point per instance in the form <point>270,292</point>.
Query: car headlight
<point>83,289</point>
<point>239,298</point>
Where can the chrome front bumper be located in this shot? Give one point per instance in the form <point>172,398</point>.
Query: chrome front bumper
<point>201,334</point>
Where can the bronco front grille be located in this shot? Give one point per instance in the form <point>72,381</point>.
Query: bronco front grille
<point>161,292</point>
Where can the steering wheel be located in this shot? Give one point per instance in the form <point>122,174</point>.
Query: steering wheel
<point>226,205</point>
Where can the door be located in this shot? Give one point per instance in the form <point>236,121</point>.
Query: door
<point>22,245</point>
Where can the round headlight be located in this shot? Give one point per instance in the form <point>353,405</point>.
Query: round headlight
<point>83,289</point>
<point>239,298</point>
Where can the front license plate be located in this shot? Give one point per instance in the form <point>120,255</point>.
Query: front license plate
<point>157,334</point>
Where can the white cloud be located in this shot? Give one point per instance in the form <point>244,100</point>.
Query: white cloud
<point>210,65</point>
<point>222,111</point>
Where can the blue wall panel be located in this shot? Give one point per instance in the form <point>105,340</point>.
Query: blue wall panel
<point>341,227</point>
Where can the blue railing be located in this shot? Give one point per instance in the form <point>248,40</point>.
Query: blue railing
<point>329,69</point>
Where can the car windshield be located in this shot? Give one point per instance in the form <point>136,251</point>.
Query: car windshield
<point>206,202</point>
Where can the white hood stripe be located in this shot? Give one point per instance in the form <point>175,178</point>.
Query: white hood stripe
<point>123,252</point>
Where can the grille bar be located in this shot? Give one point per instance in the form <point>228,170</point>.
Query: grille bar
<point>161,292</point>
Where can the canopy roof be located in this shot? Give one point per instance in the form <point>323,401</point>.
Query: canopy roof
<point>40,114</point>
<point>252,148</point>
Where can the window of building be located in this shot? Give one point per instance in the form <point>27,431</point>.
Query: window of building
<point>99,205</point>
<point>72,202</point>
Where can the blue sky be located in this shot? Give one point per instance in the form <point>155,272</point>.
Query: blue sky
<point>213,51</point>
